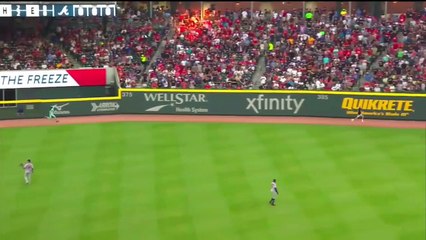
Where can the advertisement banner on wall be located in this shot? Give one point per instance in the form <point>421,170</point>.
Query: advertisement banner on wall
<point>246,104</point>
<point>80,108</point>
<point>266,103</point>
<point>379,107</point>
<point>53,78</point>
<point>190,103</point>
<point>104,107</point>
<point>271,104</point>
<point>61,109</point>
<point>221,104</point>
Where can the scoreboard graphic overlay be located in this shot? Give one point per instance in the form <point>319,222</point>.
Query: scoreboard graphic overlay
<point>58,10</point>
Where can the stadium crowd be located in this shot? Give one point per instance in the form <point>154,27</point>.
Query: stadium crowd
<point>28,49</point>
<point>323,50</point>
<point>329,51</point>
<point>402,66</point>
<point>220,52</point>
<point>127,42</point>
<point>334,52</point>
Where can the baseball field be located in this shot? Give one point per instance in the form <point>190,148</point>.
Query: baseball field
<point>165,180</point>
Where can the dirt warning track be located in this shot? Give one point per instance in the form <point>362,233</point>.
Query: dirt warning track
<point>213,119</point>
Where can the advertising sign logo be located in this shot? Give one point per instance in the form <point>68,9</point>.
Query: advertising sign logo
<point>378,107</point>
<point>262,104</point>
<point>52,78</point>
<point>60,111</point>
<point>176,102</point>
<point>105,107</point>
<point>64,11</point>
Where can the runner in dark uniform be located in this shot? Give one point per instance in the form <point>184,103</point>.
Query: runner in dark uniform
<point>360,115</point>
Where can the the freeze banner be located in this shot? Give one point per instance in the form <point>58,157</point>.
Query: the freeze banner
<point>53,78</point>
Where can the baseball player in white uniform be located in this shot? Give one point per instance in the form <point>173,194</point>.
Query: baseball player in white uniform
<point>52,112</point>
<point>28,169</point>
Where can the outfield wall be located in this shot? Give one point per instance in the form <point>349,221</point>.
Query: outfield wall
<point>65,92</point>
<point>246,103</point>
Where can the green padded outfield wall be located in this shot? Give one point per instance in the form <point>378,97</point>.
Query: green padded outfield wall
<point>247,104</point>
<point>65,109</point>
<point>65,92</point>
<point>378,107</point>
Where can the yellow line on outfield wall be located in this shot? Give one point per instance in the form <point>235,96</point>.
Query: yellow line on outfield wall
<point>275,91</point>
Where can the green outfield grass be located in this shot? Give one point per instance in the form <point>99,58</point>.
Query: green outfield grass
<point>146,181</point>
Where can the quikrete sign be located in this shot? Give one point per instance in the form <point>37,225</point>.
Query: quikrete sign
<point>378,107</point>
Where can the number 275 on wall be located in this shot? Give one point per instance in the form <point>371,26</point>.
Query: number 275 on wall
<point>127,94</point>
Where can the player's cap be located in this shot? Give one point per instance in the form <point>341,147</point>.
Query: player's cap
<point>29,160</point>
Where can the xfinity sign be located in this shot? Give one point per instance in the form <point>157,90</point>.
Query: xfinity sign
<point>262,103</point>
